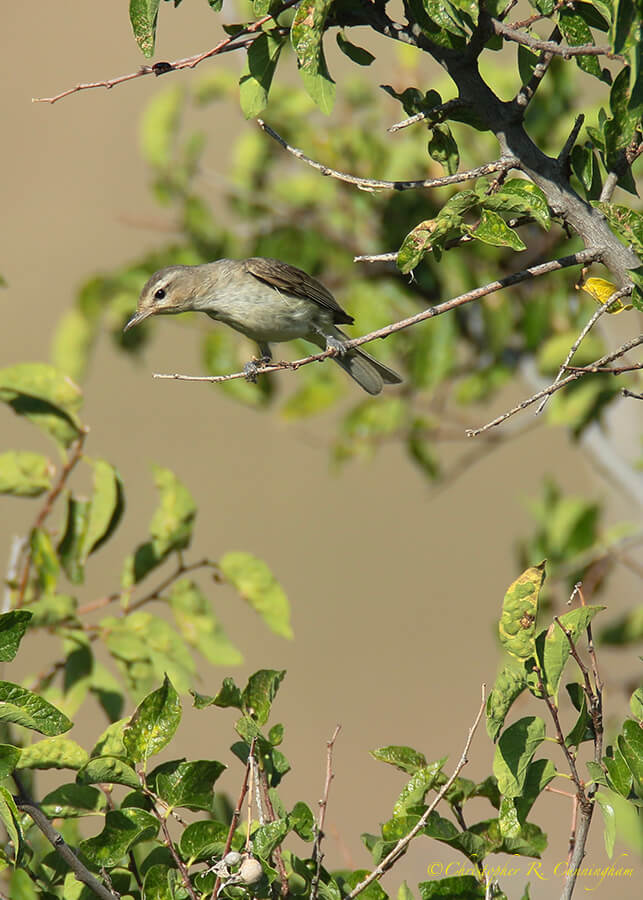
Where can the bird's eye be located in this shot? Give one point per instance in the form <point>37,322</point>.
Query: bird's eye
<point>160,294</point>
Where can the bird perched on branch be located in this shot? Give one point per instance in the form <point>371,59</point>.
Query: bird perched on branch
<point>268,301</point>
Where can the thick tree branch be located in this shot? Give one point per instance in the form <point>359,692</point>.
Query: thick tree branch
<point>57,841</point>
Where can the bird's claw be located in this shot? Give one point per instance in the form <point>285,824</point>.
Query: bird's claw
<point>337,346</point>
<point>251,368</point>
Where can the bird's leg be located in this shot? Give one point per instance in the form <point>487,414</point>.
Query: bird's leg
<point>250,369</point>
<point>332,343</point>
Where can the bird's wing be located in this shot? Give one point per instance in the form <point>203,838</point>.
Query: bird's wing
<point>292,280</point>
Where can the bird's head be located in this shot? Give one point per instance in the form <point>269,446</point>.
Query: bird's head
<point>168,291</point>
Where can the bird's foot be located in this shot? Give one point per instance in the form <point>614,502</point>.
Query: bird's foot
<point>251,368</point>
<point>338,347</point>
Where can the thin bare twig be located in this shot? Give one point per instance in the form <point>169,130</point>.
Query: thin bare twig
<point>375,184</point>
<point>564,262</point>
<point>437,114</point>
<point>624,348</point>
<point>74,456</point>
<point>632,394</point>
<point>403,843</point>
<point>526,93</point>
<point>231,42</point>
<point>566,51</point>
<point>317,854</point>
<point>583,334</point>
<point>63,849</point>
<point>236,815</point>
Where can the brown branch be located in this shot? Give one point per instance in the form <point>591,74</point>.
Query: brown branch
<point>526,93</point>
<point>63,849</point>
<point>74,456</point>
<point>624,348</point>
<point>236,815</point>
<point>317,853</point>
<point>374,184</point>
<point>189,62</point>
<point>566,52</point>
<point>632,394</point>
<point>437,114</point>
<point>607,370</point>
<point>391,858</point>
<point>169,843</point>
<point>564,262</point>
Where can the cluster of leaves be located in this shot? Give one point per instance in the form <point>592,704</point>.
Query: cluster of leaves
<point>145,850</point>
<point>537,661</point>
<point>320,224</point>
<point>47,576</point>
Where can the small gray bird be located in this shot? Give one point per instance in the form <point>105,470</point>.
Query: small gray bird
<point>267,300</point>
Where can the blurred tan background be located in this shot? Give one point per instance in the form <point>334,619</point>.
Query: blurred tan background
<point>382,571</point>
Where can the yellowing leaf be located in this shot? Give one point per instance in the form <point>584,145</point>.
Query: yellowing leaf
<point>601,290</point>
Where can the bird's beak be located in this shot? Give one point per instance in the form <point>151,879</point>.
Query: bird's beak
<point>138,316</point>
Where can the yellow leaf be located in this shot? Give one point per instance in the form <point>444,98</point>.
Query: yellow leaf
<point>601,290</point>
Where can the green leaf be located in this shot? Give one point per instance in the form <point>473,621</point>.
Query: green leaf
<point>160,125</point>
<point>11,819</point>
<point>13,626</point>
<point>25,474</point>
<point>625,222</point>
<point>358,54</point>
<point>171,525</point>
<point>443,148</point>
<point>123,829</point>
<point>522,197</point>
<point>254,85</point>
<point>159,883</point>
<point>153,724</point>
<point>105,508</point>
<point>619,776</point>
<point>510,683</point>
<point>404,758</point>
<point>199,626</point>
<point>44,560</point>
<point>70,547</point>
<point>517,625</point>
<point>302,822</point>
<point>621,818</point>
<point>108,770</point>
<point>630,743</point>
<point>9,757</point>
<point>576,31</point>
<point>306,35</point>
<point>45,397</point>
<point>188,784</point>
<point>259,693</point>
<point>268,837</point>
<point>259,587</point>
<point>514,751</point>
<point>539,774</point>
<point>585,167</point>
<point>53,753</point>
<point>22,707</point>
<point>143,15</point>
<point>462,887</point>
<point>636,704</point>
<point>443,13</point>
<point>492,229</point>
<point>415,789</point>
<point>202,840</point>
<point>556,650</point>
<point>583,729</point>
<point>606,806</point>
<point>72,800</point>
